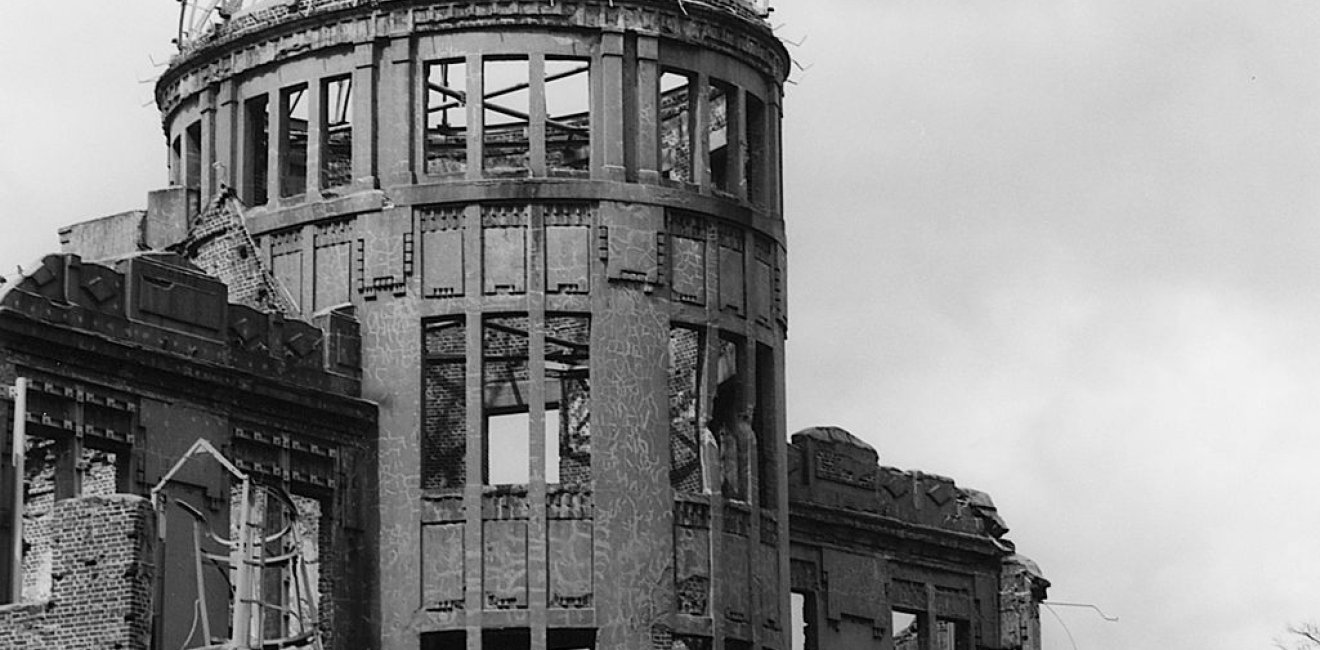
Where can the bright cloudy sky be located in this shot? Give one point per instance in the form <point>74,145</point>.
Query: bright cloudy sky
<point>1061,250</point>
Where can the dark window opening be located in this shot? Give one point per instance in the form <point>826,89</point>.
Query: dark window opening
<point>447,640</point>
<point>755,152</point>
<point>676,113</point>
<point>506,108</point>
<point>193,155</point>
<point>568,116</point>
<point>723,108</point>
<point>444,432</point>
<point>337,132</point>
<point>508,639</point>
<point>570,639</point>
<point>694,453</point>
<point>255,154</point>
<point>731,421</point>
<point>176,161</point>
<point>293,145</point>
<point>568,400</point>
<point>446,117</point>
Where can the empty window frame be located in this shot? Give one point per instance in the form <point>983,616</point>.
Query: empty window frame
<point>506,639</point>
<point>756,162</point>
<point>337,132</point>
<point>802,634</point>
<point>257,142</point>
<point>722,134</point>
<point>506,399</point>
<point>677,108</point>
<point>694,453</point>
<point>905,628</point>
<point>192,151</point>
<point>567,400</point>
<point>446,117</point>
<point>568,116</point>
<point>509,408</point>
<point>731,421</point>
<point>506,115</point>
<point>293,140</point>
<point>176,161</point>
<point>570,639</point>
<point>447,640</point>
<point>444,431</point>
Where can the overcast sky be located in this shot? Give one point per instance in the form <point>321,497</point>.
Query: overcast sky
<point>1061,250</point>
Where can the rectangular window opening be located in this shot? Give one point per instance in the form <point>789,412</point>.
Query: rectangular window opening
<point>255,153</point>
<point>337,132</point>
<point>293,146</point>
<point>176,161</point>
<point>444,431</point>
<point>446,118</point>
<point>568,400</point>
<point>193,155</point>
<point>905,628</point>
<point>506,115</point>
<point>506,639</point>
<point>570,639</point>
<point>506,437</point>
<point>694,453</point>
<point>676,126</point>
<point>731,423</point>
<point>723,108</point>
<point>568,116</point>
<point>802,609</point>
<point>506,400</point>
<point>447,640</point>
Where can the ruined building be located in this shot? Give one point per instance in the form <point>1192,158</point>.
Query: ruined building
<point>486,298</point>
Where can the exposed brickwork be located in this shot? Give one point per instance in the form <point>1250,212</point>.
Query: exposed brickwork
<point>220,244</point>
<point>684,369</point>
<point>102,580</point>
<point>444,437</point>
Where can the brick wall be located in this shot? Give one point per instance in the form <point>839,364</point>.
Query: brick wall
<point>101,580</point>
<point>219,244</point>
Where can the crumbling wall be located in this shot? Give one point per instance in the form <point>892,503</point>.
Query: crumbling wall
<point>219,243</point>
<point>101,580</point>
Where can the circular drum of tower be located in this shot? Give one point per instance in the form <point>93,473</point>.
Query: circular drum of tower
<point>559,224</point>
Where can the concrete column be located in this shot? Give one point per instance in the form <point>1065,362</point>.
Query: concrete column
<point>537,567</point>
<point>701,119</point>
<point>315,98</point>
<point>648,110</point>
<point>476,132</point>
<point>396,109</point>
<point>224,168</point>
<point>364,116</point>
<point>206,184</point>
<point>735,110</point>
<point>277,128</point>
<point>537,110</point>
<point>609,113</point>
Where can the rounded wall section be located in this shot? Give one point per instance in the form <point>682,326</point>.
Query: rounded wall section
<point>560,226</point>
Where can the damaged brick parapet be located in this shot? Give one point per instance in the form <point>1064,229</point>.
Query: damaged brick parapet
<point>159,302</point>
<point>102,580</point>
<point>830,467</point>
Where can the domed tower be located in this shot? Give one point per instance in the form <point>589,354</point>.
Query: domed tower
<point>559,223</point>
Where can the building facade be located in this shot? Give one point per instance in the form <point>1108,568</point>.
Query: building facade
<point>550,235</point>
